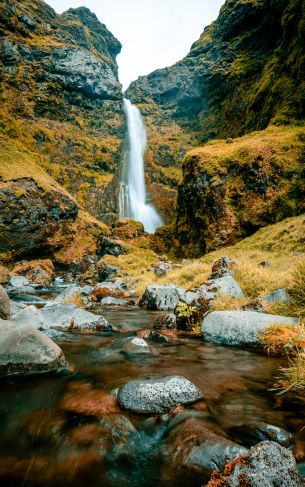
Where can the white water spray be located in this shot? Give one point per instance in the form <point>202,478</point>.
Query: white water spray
<point>132,197</point>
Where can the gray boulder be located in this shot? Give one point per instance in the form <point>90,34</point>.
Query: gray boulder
<point>162,298</point>
<point>25,350</point>
<point>220,287</point>
<point>157,395</point>
<point>278,295</point>
<point>168,321</point>
<point>239,327</point>
<point>267,465</point>
<point>67,317</point>
<point>5,306</point>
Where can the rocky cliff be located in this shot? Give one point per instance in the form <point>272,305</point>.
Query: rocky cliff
<point>245,73</point>
<point>61,129</point>
<point>61,97</point>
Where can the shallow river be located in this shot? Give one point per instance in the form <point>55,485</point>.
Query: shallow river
<point>47,439</point>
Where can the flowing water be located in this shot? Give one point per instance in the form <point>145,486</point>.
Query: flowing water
<point>132,197</point>
<point>57,430</point>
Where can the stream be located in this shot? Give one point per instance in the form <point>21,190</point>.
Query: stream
<point>45,442</point>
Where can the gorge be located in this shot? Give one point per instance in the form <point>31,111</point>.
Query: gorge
<point>152,254</point>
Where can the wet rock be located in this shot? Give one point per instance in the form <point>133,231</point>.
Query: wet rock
<point>158,337</point>
<point>162,268</point>
<point>5,306</point>
<point>278,296</point>
<point>194,451</point>
<point>135,346</point>
<point>167,322</point>
<point>19,286</point>
<point>239,327</point>
<point>254,432</point>
<point>157,395</point>
<point>267,464</point>
<point>38,271</point>
<point>25,350</point>
<point>162,298</point>
<point>67,317</point>
<point>221,268</point>
<point>109,301</point>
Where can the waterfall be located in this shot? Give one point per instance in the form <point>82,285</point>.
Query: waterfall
<point>132,197</point>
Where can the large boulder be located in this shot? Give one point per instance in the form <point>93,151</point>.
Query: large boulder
<point>267,465</point>
<point>68,317</point>
<point>241,328</point>
<point>26,350</point>
<point>5,307</point>
<point>62,317</point>
<point>162,298</point>
<point>157,395</point>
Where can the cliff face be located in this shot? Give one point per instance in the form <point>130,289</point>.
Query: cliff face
<point>61,129</point>
<point>61,97</point>
<point>246,70</point>
<point>245,73</point>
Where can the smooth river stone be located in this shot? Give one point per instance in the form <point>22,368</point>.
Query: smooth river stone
<point>157,395</point>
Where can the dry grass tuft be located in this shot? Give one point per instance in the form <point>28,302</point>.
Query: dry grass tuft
<point>284,339</point>
<point>76,299</point>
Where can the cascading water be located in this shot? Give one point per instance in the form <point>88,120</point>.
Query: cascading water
<point>132,197</point>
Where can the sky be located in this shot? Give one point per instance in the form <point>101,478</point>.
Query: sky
<point>154,33</point>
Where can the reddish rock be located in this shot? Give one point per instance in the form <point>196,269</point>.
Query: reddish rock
<point>38,271</point>
<point>82,398</point>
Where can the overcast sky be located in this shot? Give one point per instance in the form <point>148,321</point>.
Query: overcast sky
<point>154,33</point>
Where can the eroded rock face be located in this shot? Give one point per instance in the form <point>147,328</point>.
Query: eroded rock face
<point>266,465</point>
<point>241,328</point>
<point>157,395</point>
<point>38,271</point>
<point>30,216</point>
<point>25,350</point>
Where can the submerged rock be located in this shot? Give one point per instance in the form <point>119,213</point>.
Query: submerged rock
<point>194,451</point>
<point>157,395</point>
<point>241,328</point>
<point>254,432</point>
<point>167,321</point>
<point>267,464</point>
<point>25,350</point>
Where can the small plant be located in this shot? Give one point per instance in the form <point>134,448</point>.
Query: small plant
<point>293,376</point>
<point>75,298</point>
<point>188,315</point>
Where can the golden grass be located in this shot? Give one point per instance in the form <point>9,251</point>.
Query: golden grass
<point>293,376</point>
<point>282,245</point>
<point>284,339</point>
<point>272,140</point>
